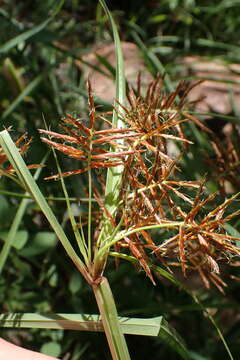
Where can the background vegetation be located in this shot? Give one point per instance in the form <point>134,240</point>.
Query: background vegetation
<point>39,79</point>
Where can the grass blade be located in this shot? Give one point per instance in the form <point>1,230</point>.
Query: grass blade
<point>154,61</point>
<point>15,225</point>
<point>156,326</point>
<point>167,275</point>
<point>114,174</point>
<point>27,180</point>
<point>79,239</point>
<point>169,335</point>
<point>29,33</point>
<point>23,36</point>
<point>120,77</point>
<point>27,90</point>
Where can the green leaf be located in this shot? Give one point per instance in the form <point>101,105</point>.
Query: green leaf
<point>25,270</point>
<point>120,77</point>
<point>114,174</point>
<point>195,356</point>
<point>233,232</point>
<point>154,61</point>
<point>52,275</point>
<point>217,45</point>
<point>23,36</point>
<point>51,348</point>
<point>167,275</point>
<point>42,242</point>
<point>29,33</point>
<point>19,239</point>
<point>106,64</point>
<point>27,90</point>
<point>75,282</point>
<point>30,184</point>
<point>169,335</point>
<point>15,225</point>
<point>157,326</point>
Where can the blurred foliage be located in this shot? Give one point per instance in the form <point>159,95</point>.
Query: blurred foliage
<point>39,80</point>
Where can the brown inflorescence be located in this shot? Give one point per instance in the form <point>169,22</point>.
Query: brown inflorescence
<point>89,145</point>
<point>22,144</point>
<point>152,193</point>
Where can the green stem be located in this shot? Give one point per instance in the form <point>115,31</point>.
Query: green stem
<point>48,198</point>
<point>89,214</point>
<point>110,241</point>
<point>211,318</point>
<point>109,316</point>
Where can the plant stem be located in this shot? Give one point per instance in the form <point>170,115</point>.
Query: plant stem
<point>109,316</point>
<point>109,242</point>
<point>89,215</point>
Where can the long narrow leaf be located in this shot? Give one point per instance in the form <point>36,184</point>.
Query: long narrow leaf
<point>120,77</point>
<point>158,66</point>
<point>167,275</point>
<point>27,180</point>
<point>27,90</point>
<point>114,174</point>
<point>83,322</point>
<point>29,33</point>
<point>157,326</point>
<point>79,239</point>
<point>15,225</point>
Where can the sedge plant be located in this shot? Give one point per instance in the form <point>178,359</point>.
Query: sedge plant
<point>147,211</point>
<point>148,195</point>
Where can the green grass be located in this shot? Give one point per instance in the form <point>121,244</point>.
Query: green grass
<point>31,37</point>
